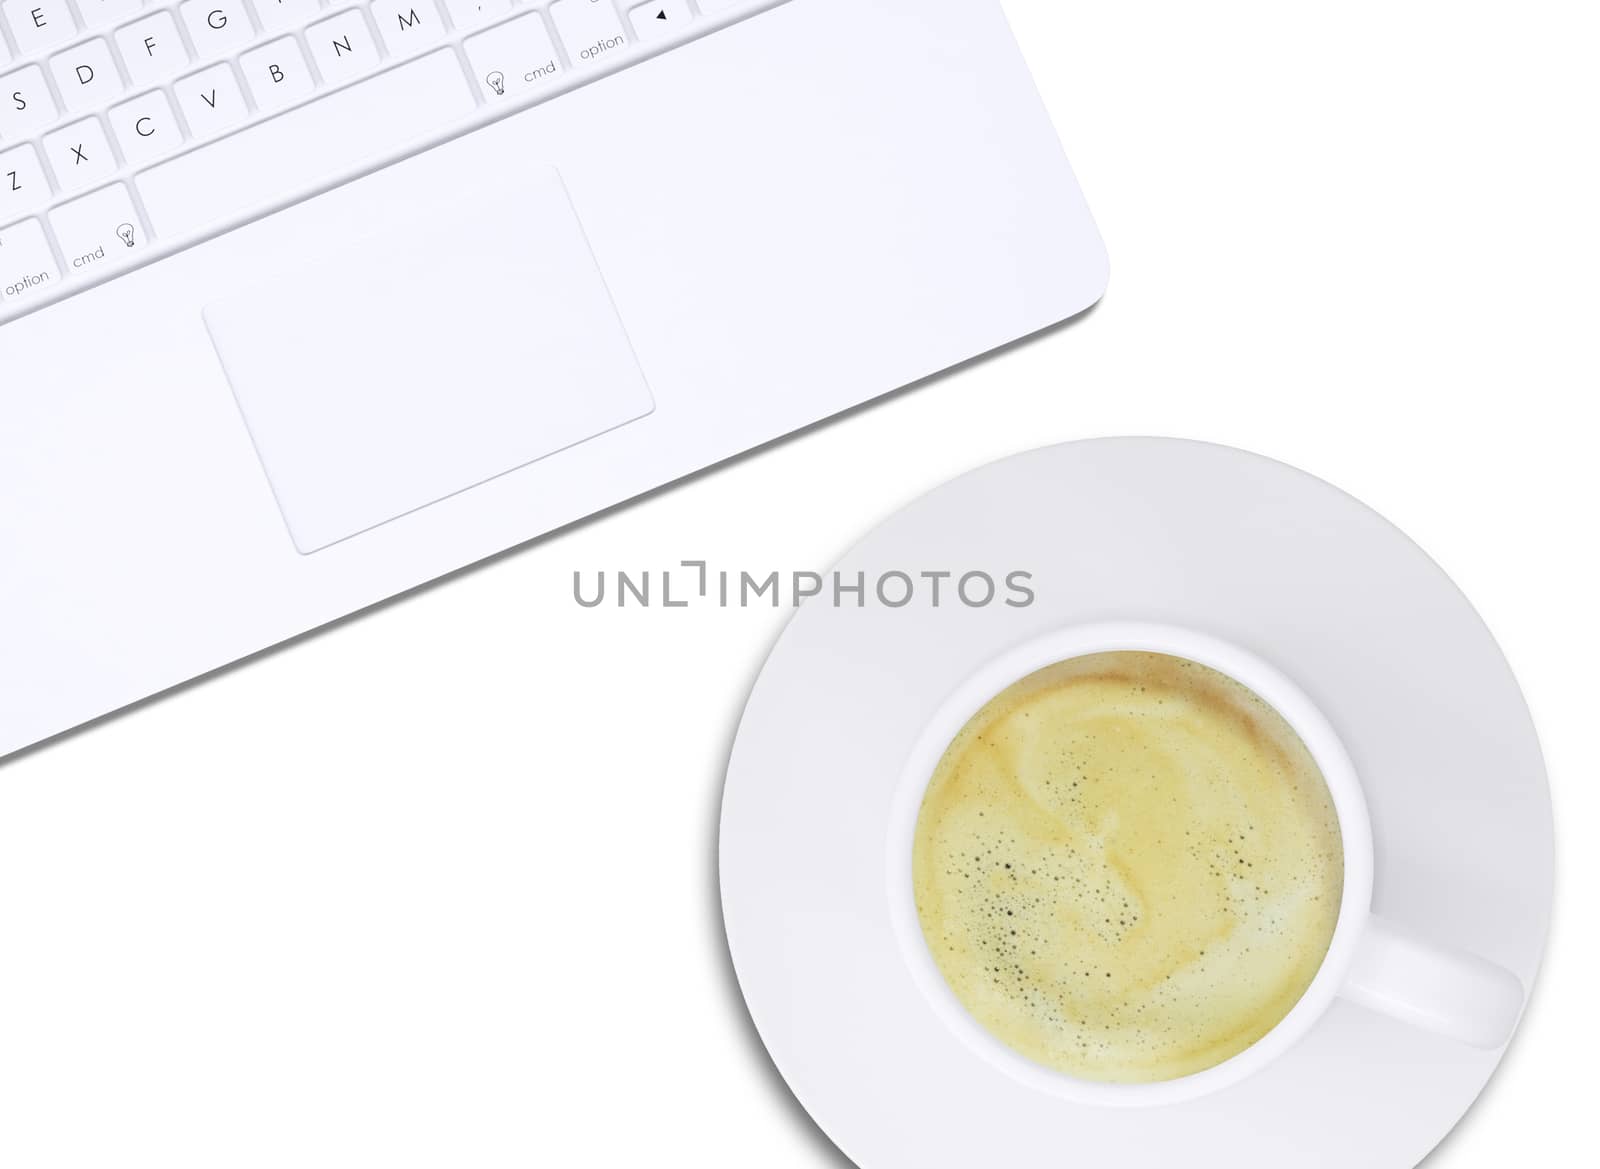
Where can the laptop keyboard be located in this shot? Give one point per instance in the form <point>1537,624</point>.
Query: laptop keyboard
<point>131,128</point>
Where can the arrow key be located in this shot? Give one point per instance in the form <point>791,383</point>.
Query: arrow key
<point>660,19</point>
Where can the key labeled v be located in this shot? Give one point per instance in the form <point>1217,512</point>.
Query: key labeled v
<point>210,98</point>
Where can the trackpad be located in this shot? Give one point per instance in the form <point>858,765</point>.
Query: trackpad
<point>412,365</point>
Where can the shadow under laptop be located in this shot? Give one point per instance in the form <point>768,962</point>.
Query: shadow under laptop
<point>714,469</point>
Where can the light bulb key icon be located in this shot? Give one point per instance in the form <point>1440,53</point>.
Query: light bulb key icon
<point>497,82</point>
<point>125,234</point>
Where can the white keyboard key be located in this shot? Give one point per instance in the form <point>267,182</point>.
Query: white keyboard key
<point>86,76</point>
<point>22,183</point>
<point>407,26</point>
<point>27,266</point>
<point>651,21</point>
<point>152,49</point>
<point>513,58</point>
<point>277,74</point>
<point>79,155</point>
<point>146,128</point>
<point>211,101</point>
<point>291,154</point>
<point>590,30</point>
<point>25,103</point>
<point>472,13</point>
<point>100,13</point>
<point>39,24</point>
<point>99,231</point>
<point>277,15</point>
<point>216,27</point>
<point>342,47</point>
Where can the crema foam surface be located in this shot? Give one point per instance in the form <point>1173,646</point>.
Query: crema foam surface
<point>1128,867</point>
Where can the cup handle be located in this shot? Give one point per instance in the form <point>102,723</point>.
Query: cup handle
<point>1448,992</point>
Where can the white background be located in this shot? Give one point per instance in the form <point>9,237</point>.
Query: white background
<point>438,887</point>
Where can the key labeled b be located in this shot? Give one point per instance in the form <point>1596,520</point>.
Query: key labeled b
<point>277,74</point>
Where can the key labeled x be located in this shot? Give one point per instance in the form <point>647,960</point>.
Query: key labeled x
<point>80,154</point>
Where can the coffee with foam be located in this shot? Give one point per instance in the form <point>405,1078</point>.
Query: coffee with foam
<point>1128,867</point>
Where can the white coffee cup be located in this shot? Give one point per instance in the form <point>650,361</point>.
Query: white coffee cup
<point>1370,962</point>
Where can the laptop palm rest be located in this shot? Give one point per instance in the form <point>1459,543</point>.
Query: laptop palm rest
<point>375,380</point>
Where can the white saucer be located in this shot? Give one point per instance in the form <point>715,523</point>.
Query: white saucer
<point>1187,534</point>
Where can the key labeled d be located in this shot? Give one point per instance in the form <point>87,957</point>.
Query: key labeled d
<point>85,76</point>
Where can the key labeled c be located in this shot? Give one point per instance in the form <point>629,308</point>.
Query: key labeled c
<point>139,127</point>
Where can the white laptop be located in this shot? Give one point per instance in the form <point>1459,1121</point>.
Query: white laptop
<point>304,303</point>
